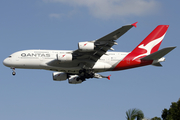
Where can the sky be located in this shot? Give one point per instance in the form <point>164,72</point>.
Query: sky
<point>60,25</point>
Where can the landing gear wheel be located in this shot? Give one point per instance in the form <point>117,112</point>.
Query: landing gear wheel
<point>91,75</point>
<point>83,73</point>
<point>13,73</point>
<point>82,70</point>
<point>83,79</point>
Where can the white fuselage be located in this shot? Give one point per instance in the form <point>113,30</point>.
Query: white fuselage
<point>40,59</point>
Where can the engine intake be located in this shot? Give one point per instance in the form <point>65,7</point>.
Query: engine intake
<point>86,46</point>
<point>74,79</point>
<point>59,76</point>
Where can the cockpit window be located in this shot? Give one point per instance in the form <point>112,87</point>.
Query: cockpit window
<point>9,57</point>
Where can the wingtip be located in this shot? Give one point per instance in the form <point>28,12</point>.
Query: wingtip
<point>108,77</point>
<point>134,24</point>
<point>174,47</point>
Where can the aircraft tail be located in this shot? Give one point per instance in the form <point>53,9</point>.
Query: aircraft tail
<point>157,57</point>
<point>146,53</point>
<point>159,54</point>
<point>151,43</point>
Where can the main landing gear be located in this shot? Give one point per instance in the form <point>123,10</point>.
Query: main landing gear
<point>14,72</point>
<point>83,74</point>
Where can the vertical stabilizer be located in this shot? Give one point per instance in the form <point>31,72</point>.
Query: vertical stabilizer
<point>148,46</point>
<point>151,43</point>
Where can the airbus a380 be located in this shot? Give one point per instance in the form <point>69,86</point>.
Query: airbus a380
<point>92,57</point>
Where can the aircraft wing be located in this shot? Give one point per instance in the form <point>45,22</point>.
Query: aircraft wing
<point>101,46</point>
<point>117,33</point>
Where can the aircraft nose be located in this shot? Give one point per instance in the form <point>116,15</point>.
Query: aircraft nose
<point>7,62</point>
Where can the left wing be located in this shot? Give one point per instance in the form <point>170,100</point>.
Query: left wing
<point>89,52</point>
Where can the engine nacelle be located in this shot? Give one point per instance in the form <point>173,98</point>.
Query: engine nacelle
<point>59,76</point>
<point>86,46</point>
<point>65,57</point>
<point>74,79</point>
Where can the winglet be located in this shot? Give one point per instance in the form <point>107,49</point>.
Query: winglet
<point>108,77</point>
<point>134,24</point>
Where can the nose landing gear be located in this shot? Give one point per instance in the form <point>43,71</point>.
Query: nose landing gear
<point>14,72</point>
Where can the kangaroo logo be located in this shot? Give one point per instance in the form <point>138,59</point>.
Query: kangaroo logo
<point>149,46</point>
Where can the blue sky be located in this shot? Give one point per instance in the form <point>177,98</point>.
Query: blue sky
<point>60,25</point>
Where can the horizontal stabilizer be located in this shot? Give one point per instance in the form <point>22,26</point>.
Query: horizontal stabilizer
<point>159,54</point>
<point>157,64</point>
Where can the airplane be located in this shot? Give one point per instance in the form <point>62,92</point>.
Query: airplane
<point>93,57</point>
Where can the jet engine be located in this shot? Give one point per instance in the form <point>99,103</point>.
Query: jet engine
<point>64,57</point>
<point>74,79</point>
<point>86,46</point>
<point>59,76</point>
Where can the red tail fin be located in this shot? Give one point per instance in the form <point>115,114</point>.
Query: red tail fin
<point>148,46</point>
<point>151,43</point>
